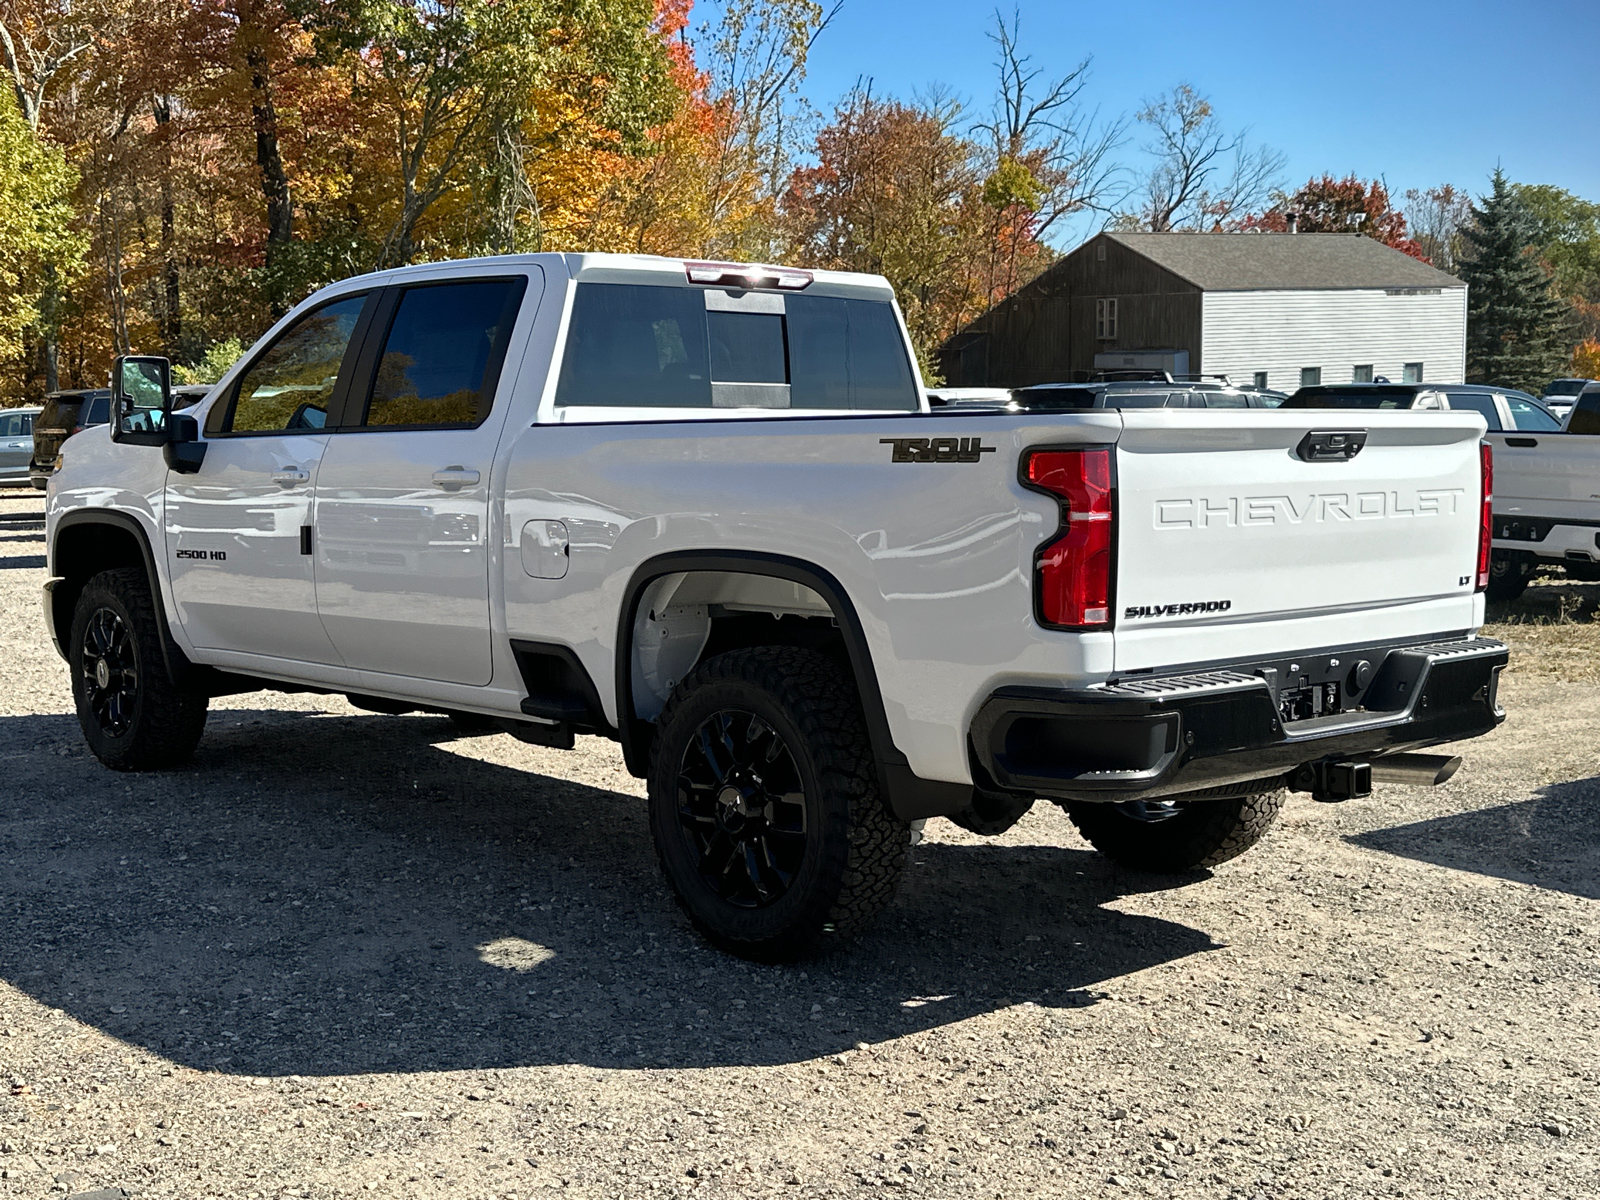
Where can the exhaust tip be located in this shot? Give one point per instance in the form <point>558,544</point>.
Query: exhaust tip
<point>1415,770</point>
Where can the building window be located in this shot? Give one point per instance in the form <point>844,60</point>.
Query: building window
<point>1361,374</point>
<point>1100,252</point>
<point>1412,373</point>
<point>1105,319</point>
<point>1261,380</point>
<point>1310,376</point>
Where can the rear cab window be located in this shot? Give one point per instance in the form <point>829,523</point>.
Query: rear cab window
<point>1479,403</point>
<point>1585,414</point>
<point>634,346</point>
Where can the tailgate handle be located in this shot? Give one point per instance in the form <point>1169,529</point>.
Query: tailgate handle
<point>1525,443</point>
<point>1331,445</point>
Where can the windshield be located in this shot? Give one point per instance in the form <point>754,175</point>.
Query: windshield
<point>1565,387</point>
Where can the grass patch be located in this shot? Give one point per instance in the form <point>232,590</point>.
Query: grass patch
<point>1552,629</point>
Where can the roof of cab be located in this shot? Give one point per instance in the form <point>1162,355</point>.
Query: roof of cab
<point>596,267</point>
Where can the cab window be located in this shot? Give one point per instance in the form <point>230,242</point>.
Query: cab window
<point>1585,415</point>
<point>1479,403</point>
<point>289,384</point>
<point>1530,417</point>
<point>647,346</point>
<point>442,353</point>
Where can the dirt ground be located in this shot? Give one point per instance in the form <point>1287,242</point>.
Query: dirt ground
<point>345,955</point>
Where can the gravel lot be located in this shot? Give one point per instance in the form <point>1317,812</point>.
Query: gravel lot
<point>349,954</point>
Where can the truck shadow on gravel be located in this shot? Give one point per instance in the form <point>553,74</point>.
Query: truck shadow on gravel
<point>330,894</point>
<point>1551,841</point>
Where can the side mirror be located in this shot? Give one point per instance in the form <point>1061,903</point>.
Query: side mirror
<point>141,400</point>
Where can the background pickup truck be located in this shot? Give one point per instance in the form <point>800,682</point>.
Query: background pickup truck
<point>1547,507</point>
<point>705,510</point>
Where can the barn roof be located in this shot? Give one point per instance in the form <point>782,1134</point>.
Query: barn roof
<point>1248,262</point>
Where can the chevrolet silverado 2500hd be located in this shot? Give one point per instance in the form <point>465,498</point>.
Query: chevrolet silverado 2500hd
<point>705,510</point>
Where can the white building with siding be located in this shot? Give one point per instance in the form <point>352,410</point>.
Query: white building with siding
<point>1278,310</point>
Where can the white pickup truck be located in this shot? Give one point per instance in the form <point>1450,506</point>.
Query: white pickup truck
<point>1547,502</point>
<point>705,510</point>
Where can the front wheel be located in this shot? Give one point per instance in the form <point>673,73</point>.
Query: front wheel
<point>132,715</point>
<point>764,804</point>
<point>1170,837</point>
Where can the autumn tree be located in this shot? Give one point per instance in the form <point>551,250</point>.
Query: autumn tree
<point>1515,334</point>
<point>37,241</point>
<point>1202,177</point>
<point>1324,204</point>
<point>896,191</point>
<point>1047,157</point>
<point>1436,217</point>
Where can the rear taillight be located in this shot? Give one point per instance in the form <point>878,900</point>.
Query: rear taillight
<point>1485,512</point>
<point>1072,580</point>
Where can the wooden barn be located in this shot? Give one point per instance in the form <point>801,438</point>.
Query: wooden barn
<point>1278,310</point>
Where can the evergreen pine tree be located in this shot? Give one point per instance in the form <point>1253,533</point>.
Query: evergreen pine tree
<point>1515,326</point>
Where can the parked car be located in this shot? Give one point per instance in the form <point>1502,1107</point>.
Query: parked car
<point>1502,409</point>
<point>1143,393</point>
<point>16,444</point>
<point>1546,506</point>
<point>1561,393</point>
<point>707,511</point>
<point>64,414</point>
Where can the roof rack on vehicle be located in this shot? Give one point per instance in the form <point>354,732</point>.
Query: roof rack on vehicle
<point>1128,375</point>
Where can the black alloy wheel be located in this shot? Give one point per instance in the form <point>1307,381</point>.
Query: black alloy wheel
<point>110,667</point>
<point>742,808</point>
<point>764,803</point>
<point>133,714</point>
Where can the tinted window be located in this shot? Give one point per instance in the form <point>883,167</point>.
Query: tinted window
<point>1312,398</point>
<point>1144,400</point>
<point>847,354</point>
<point>1226,400</point>
<point>14,425</point>
<point>747,347</point>
<point>1585,415</point>
<point>288,386</point>
<point>1527,415</point>
<point>640,346</point>
<point>95,411</point>
<point>632,345</point>
<point>1478,403</point>
<point>1564,387</point>
<point>442,355</point>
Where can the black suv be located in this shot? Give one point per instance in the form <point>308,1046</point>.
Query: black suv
<point>1116,390</point>
<point>64,414</point>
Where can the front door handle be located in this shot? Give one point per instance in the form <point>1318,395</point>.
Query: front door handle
<point>454,477</point>
<point>290,476</point>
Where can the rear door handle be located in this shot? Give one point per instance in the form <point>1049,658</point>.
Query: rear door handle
<point>454,477</point>
<point>290,476</point>
<point>1527,443</point>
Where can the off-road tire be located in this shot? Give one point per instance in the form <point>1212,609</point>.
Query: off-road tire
<point>1205,833</point>
<point>161,724</point>
<point>854,847</point>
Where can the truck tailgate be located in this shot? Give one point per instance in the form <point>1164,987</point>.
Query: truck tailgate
<point>1230,545</point>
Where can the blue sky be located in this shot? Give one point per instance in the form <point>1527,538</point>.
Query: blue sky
<point>1419,93</point>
